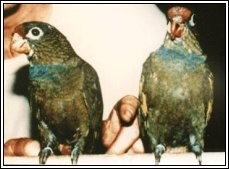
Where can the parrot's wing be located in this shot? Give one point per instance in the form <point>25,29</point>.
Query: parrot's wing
<point>39,128</point>
<point>94,103</point>
<point>35,115</point>
<point>142,95</point>
<point>148,84</point>
<point>209,98</point>
<point>147,79</point>
<point>143,109</point>
<point>145,85</point>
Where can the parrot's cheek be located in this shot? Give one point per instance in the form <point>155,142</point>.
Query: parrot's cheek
<point>19,45</point>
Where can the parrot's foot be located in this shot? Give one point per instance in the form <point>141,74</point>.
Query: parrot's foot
<point>198,152</point>
<point>44,154</point>
<point>196,148</point>
<point>199,158</point>
<point>159,150</point>
<point>75,154</point>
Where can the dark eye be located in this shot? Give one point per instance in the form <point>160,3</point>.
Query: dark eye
<point>35,32</point>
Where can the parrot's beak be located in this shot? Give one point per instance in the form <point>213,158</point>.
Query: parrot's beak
<point>19,45</point>
<point>176,29</point>
<point>177,17</point>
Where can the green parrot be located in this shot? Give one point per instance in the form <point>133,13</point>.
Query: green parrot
<point>176,90</point>
<point>64,91</point>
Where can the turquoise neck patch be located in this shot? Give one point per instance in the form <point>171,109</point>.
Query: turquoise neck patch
<point>172,54</point>
<point>51,72</point>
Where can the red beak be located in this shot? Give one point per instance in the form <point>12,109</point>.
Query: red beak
<point>18,43</point>
<point>176,30</point>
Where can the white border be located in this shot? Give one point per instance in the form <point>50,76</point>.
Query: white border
<point>2,61</point>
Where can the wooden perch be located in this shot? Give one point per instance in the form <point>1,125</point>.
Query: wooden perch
<point>124,159</point>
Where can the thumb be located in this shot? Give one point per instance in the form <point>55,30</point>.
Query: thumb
<point>127,108</point>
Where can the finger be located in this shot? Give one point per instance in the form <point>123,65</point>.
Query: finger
<point>64,149</point>
<point>124,110</point>
<point>126,137</point>
<point>9,147</point>
<point>21,147</point>
<point>137,147</point>
<point>110,128</point>
<point>127,108</point>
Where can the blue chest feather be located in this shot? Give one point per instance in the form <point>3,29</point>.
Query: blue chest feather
<point>49,73</point>
<point>189,60</point>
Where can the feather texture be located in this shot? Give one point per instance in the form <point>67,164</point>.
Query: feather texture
<point>176,95</point>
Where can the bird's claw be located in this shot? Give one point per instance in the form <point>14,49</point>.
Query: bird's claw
<point>198,152</point>
<point>199,158</point>
<point>75,155</point>
<point>44,154</point>
<point>159,150</point>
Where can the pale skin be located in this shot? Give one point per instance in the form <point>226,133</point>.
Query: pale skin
<point>121,129</point>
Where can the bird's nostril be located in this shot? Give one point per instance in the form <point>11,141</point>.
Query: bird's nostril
<point>176,26</point>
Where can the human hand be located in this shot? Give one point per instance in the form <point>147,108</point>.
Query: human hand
<point>21,147</point>
<point>121,129</point>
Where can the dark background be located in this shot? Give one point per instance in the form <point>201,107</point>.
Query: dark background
<point>211,33</point>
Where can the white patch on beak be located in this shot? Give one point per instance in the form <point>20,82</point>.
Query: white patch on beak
<point>19,45</point>
<point>177,19</point>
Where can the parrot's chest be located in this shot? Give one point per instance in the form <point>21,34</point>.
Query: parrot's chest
<point>176,95</point>
<point>63,114</point>
<point>55,80</point>
<point>48,78</point>
<point>170,81</point>
<point>177,78</point>
<point>58,96</point>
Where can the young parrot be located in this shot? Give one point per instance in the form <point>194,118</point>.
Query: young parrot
<point>176,90</point>
<point>64,91</point>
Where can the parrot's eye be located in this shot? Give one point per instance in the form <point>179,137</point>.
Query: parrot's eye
<point>35,33</point>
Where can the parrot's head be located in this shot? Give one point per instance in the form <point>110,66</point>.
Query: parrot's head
<point>41,42</point>
<point>179,18</point>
